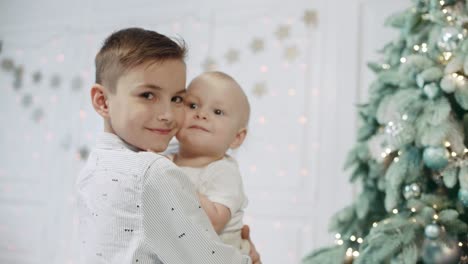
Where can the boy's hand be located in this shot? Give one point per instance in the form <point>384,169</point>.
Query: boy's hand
<point>245,234</point>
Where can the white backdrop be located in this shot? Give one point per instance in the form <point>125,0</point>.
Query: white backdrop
<point>303,77</point>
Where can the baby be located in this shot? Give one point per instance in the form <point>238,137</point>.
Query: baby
<point>216,117</point>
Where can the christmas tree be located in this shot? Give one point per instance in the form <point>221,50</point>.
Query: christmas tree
<point>410,157</point>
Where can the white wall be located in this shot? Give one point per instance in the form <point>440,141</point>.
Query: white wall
<point>300,132</point>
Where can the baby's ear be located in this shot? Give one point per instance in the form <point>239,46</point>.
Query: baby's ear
<point>99,100</point>
<point>240,136</point>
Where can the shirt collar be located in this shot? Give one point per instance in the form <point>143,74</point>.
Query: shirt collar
<point>112,141</point>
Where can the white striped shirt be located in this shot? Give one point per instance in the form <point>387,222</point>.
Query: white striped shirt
<point>138,207</point>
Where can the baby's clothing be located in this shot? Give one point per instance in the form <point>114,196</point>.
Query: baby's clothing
<point>138,207</point>
<point>221,182</point>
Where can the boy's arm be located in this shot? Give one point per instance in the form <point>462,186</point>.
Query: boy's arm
<point>219,214</point>
<point>175,226</point>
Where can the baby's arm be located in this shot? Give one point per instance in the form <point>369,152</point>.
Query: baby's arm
<point>219,214</point>
<point>176,228</point>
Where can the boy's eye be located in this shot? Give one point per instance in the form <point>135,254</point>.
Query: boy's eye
<point>218,112</point>
<point>193,106</point>
<point>177,99</point>
<point>147,95</point>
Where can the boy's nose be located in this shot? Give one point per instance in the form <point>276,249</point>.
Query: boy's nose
<point>166,114</point>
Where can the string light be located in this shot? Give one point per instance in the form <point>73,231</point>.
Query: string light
<point>374,224</point>
<point>352,238</point>
<point>424,47</point>
<point>436,217</point>
<point>340,242</point>
<point>338,236</point>
<point>385,66</point>
<point>356,254</point>
<point>442,2</point>
<point>413,210</point>
<point>349,252</point>
<point>403,60</point>
<point>395,211</point>
<point>360,240</point>
<point>416,47</point>
<point>447,144</point>
<point>396,159</point>
<point>460,244</point>
<point>454,154</point>
<point>404,117</point>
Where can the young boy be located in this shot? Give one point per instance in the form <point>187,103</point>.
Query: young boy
<point>216,118</point>
<point>136,206</point>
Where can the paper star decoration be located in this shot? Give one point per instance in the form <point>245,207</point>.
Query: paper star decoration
<point>291,53</point>
<point>37,77</point>
<point>209,64</point>
<point>282,32</point>
<point>76,83</point>
<point>259,89</point>
<point>310,18</point>
<point>232,56</point>
<point>257,45</point>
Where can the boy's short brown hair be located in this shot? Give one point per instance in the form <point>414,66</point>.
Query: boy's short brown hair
<point>131,47</point>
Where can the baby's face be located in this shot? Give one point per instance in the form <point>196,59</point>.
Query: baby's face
<point>147,109</point>
<point>213,116</point>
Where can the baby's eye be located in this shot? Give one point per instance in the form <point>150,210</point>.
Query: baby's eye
<point>147,95</point>
<point>177,99</point>
<point>218,112</point>
<point>193,106</point>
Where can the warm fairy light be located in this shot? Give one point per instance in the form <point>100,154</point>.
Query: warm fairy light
<point>434,206</point>
<point>460,244</point>
<point>356,254</point>
<point>349,252</point>
<point>338,236</point>
<point>352,238</point>
<point>403,60</point>
<point>385,66</point>
<point>340,242</point>
<point>413,210</point>
<point>396,159</point>
<point>454,75</point>
<point>449,18</point>
<point>465,150</point>
<point>388,151</point>
<point>360,240</point>
<point>447,55</point>
<point>400,152</point>
<point>454,154</point>
<point>384,155</point>
<point>461,77</point>
<point>460,36</point>
<point>416,47</point>
<point>447,144</point>
<point>395,211</point>
<point>374,224</point>
<point>414,220</point>
<point>444,11</point>
<point>404,117</point>
<point>436,217</point>
<point>424,47</point>
<point>442,2</point>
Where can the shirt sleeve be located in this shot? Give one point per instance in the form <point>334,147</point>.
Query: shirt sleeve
<point>175,226</point>
<point>224,185</point>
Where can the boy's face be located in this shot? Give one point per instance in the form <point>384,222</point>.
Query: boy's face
<point>213,116</point>
<point>146,110</point>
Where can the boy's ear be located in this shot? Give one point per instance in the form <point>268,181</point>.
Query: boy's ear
<point>240,136</point>
<point>99,100</point>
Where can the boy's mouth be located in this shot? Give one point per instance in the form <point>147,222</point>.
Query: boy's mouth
<point>162,131</point>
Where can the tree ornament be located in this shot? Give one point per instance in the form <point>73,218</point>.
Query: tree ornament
<point>399,133</point>
<point>449,38</point>
<point>435,158</point>
<point>463,197</point>
<point>412,191</point>
<point>431,90</point>
<point>438,247</point>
